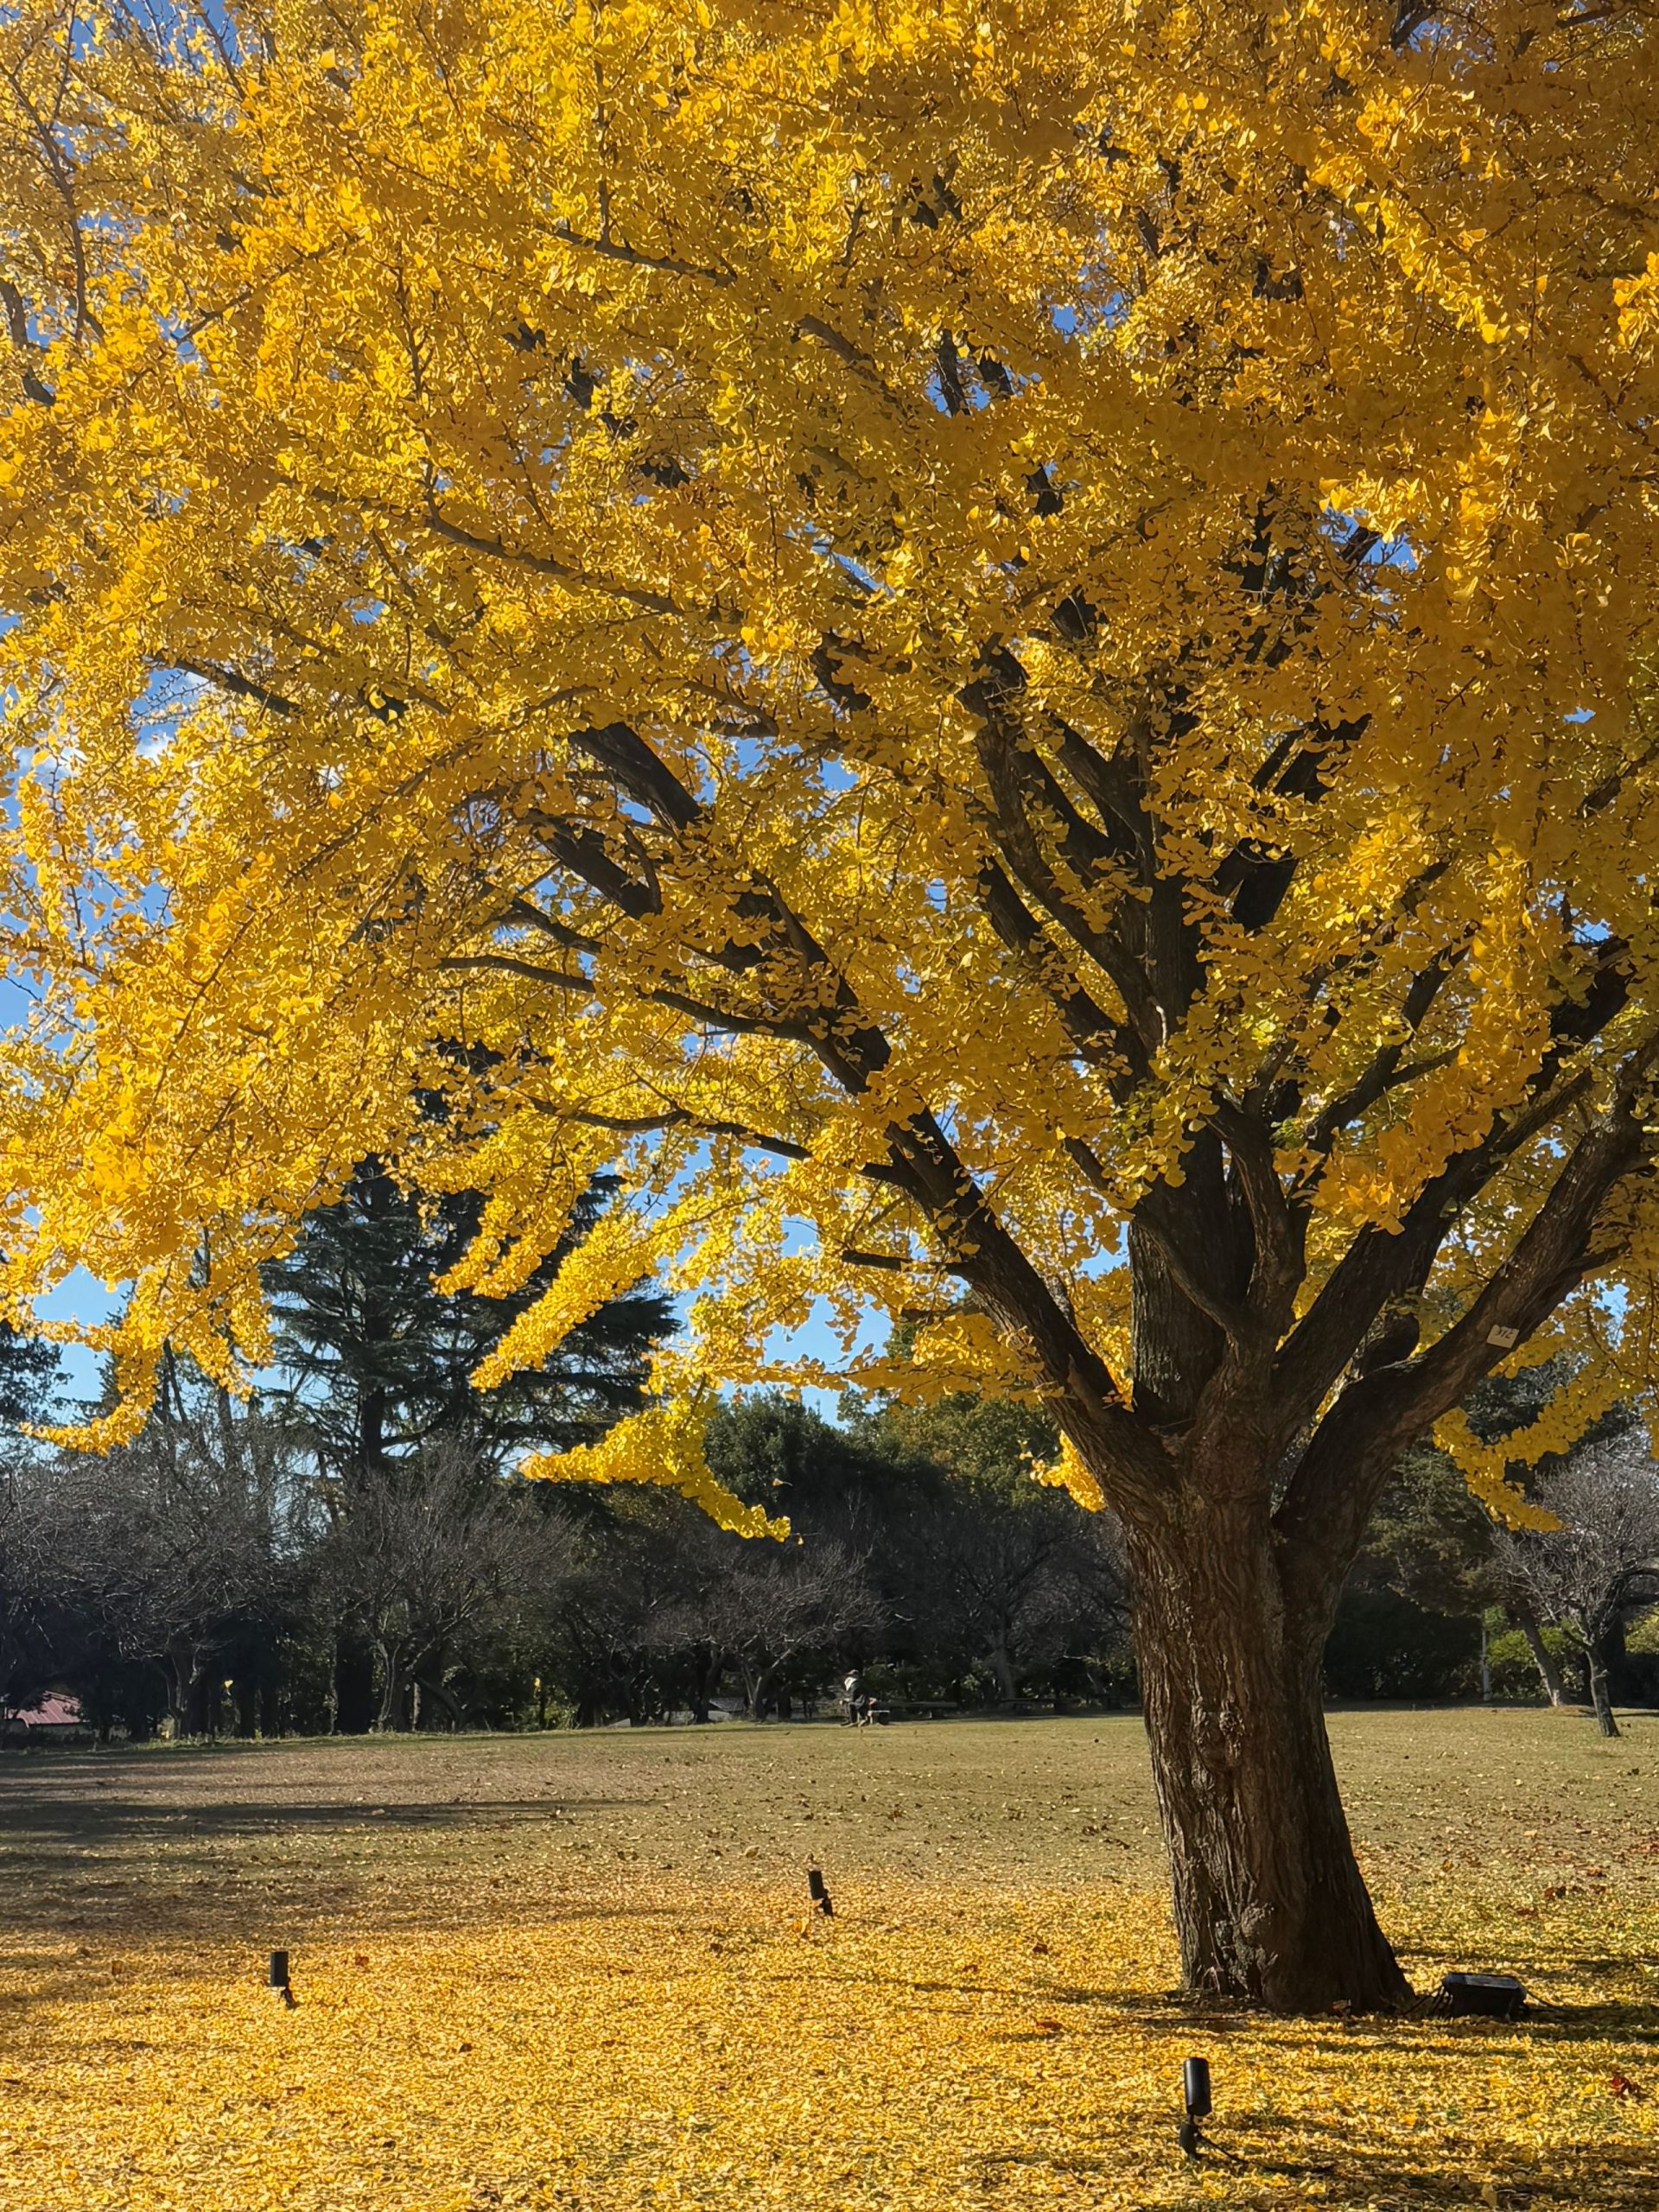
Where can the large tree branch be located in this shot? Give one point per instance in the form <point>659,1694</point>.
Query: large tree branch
<point>1322,1517</point>
<point>1016,781</point>
<point>1155,929</point>
<point>545,564</point>
<point>1194,1282</point>
<point>662,265</point>
<point>555,979</point>
<point>677,1117</point>
<point>1278,1229</point>
<point>1383,1076</point>
<point>851,356</point>
<point>1378,1265</point>
<point>620,750</point>
<point>923,1164</point>
<point>1085,1021</point>
<point>1255,875</point>
<point>1383,1073</point>
<point>1350,967</point>
<point>525,911</point>
<point>1381,1265</point>
<point>583,850</point>
<point>239,686</point>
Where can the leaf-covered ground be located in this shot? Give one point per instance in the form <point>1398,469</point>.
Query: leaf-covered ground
<point>578,1973</point>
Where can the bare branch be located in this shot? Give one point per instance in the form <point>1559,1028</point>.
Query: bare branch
<point>553,977</point>
<point>664,264</point>
<point>544,564</point>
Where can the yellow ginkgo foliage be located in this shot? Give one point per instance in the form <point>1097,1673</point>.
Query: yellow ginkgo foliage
<point>997,653</point>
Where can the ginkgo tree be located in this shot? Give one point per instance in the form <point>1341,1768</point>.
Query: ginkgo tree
<point>995,652</point>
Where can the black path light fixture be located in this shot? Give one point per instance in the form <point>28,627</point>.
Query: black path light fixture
<point>818,1893</point>
<point>276,1976</point>
<point>1195,2094</point>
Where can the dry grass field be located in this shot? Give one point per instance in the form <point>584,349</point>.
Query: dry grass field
<point>577,1971</point>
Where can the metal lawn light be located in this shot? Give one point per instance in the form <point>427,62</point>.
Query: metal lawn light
<point>1195,2090</point>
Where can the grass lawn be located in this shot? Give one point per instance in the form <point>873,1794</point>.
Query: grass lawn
<point>577,1972</point>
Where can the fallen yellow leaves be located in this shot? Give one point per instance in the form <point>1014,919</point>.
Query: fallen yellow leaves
<point>495,2009</point>
<point>660,2044</point>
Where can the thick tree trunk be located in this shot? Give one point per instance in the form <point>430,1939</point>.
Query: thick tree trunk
<point>392,1693</point>
<point>1270,1906</point>
<point>180,1671</point>
<point>706,1679</point>
<point>439,1691</point>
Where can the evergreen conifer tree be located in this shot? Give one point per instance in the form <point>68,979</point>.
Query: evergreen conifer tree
<point>376,1358</point>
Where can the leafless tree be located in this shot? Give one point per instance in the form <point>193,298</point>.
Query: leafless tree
<point>25,1573</point>
<point>1602,1563</point>
<point>618,1610</point>
<point>1009,1578</point>
<point>429,1557</point>
<point>776,1602</point>
<point>163,1547</point>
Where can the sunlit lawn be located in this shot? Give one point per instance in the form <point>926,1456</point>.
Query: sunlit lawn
<point>577,1971</point>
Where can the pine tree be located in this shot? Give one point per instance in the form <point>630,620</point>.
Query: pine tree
<point>29,1378</point>
<point>376,1360</point>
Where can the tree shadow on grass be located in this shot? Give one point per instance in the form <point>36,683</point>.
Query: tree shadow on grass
<point>122,1869</point>
<point>1391,2175</point>
<point>1335,2171</point>
<point>52,1821</point>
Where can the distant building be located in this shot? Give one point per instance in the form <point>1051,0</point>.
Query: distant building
<point>57,1717</point>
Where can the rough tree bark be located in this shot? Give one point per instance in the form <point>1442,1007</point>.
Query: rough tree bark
<point>351,1688</point>
<point>1270,1907</point>
<point>1244,1505</point>
<point>389,1714</point>
<point>1002,1667</point>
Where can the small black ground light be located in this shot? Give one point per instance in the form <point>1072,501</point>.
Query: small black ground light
<point>276,1977</point>
<point>818,1893</point>
<point>1481,1996</point>
<point>1195,2090</point>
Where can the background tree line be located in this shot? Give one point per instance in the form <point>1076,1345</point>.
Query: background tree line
<point>350,1549</point>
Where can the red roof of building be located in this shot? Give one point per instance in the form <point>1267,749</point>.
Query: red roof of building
<point>53,1712</point>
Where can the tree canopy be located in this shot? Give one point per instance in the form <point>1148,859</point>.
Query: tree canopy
<point>908,614</point>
